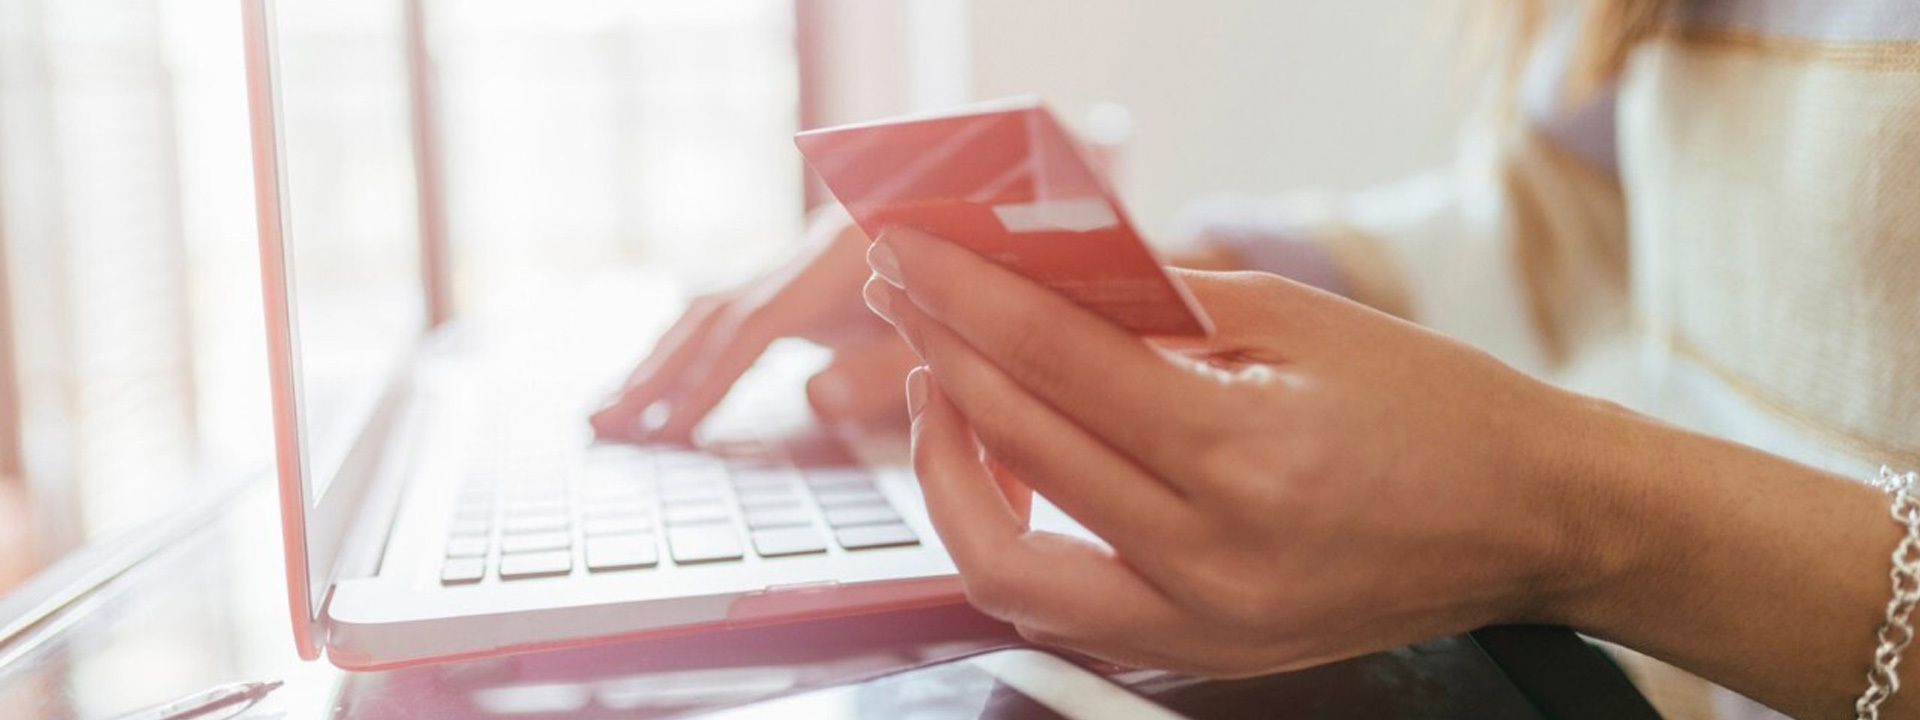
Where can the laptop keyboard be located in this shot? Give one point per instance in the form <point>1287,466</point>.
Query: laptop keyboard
<point>639,510</point>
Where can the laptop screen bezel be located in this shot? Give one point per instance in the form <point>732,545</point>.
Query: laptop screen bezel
<point>314,530</point>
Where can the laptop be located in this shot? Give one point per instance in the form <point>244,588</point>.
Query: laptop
<point>427,515</point>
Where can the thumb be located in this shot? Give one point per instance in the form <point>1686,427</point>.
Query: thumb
<point>862,383</point>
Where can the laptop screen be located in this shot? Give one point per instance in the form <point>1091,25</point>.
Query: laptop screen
<point>330,100</point>
<point>351,216</point>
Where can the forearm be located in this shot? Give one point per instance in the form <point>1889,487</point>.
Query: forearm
<point>1760,574</point>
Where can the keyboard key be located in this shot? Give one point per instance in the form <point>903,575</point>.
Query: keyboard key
<point>769,503</point>
<point>541,523</point>
<point>463,571</point>
<point>526,491</point>
<point>766,494</point>
<point>613,475</point>
<point>850,499</point>
<point>867,537</point>
<point>821,478</point>
<point>789,541</point>
<point>695,513</point>
<point>467,547</point>
<point>473,515</point>
<point>617,509</point>
<point>623,552</point>
<point>761,478</point>
<point>469,528</point>
<point>861,515</point>
<point>536,542</point>
<point>691,493</point>
<point>674,460</point>
<point>766,491</point>
<point>545,493</point>
<point>536,507</point>
<point>708,473</point>
<point>515,490</point>
<point>704,543</point>
<point>533,565</point>
<point>758,518</point>
<point>618,525</point>
<point>596,495</point>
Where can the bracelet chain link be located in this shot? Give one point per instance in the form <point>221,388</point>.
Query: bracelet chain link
<point>1896,631</point>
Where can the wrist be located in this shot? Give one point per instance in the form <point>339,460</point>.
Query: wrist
<point>1603,511</point>
<point>1749,570</point>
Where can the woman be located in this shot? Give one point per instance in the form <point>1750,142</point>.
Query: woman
<point>1330,480</point>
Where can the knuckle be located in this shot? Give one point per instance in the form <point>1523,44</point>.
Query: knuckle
<point>991,593</point>
<point>710,300</point>
<point>1035,635</point>
<point>1263,462</point>
<point>1230,666</point>
<point>1228,458</point>
<point>1273,290</point>
<point>1261,398</point>
<point>738,320</point>
<point>1212,662</point>
<point>1303,459</point>
<point>1218,583</point>
<point>1242,603</point>
<point>825,396</point>
<point>1246,401</point>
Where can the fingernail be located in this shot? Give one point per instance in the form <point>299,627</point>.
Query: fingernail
<point>830,391</point>
<point>879,296</point>
<point>654,419</point>
<point>885,264</point>
<point>917,391</point>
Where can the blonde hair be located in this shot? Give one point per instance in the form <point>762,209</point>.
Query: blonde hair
<point>1612,29</point>
<point>1509,30</point>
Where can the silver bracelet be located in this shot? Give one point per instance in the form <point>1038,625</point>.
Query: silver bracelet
<point>1896,632</point>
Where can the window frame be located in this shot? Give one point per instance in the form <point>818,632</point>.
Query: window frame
<point>12,465</point>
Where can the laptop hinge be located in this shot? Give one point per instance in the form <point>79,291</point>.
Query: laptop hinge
<point>366,540</point>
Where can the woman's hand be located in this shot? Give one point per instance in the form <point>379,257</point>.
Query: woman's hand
<point>1323,481</point>
<point>721,336</point>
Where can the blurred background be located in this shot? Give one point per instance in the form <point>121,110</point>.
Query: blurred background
<point>578,136</point>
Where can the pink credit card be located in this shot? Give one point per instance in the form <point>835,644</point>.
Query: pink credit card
<point>1007,181</point>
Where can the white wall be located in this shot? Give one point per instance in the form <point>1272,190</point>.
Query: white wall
<point>1250,96</point>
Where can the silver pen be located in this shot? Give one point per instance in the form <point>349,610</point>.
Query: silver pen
<point>238,696</point>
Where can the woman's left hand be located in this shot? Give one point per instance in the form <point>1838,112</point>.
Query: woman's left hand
<point>1323,481</point>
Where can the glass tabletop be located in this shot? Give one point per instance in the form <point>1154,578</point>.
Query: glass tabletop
<point>213,610</point>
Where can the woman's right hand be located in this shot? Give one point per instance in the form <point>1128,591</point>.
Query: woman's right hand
<point>1322,482</point>
<point>817,297</point>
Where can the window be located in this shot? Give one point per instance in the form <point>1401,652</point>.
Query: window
<point>587,134</point>
<point>580,136</point>
<point>99,189</point>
